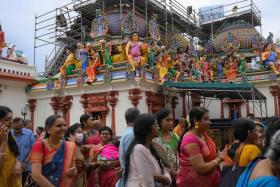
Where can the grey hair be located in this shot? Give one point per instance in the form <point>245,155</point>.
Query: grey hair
<point>273,152</point>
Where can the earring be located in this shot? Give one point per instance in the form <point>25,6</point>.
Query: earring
<point>196,125</point>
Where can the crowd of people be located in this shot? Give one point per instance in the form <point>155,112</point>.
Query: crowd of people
<point>150,152</point>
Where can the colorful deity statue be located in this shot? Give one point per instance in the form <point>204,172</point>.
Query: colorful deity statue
<point>242,64</point>
<point>197,71</point>
<point>83,56</point>
<point>92,69</point>
<point>153,50</point>
<point>162,63</point>
<point>133,51</point>
<point>205,68</point>
<point>128,23</point>
<point>231,71</point>
<point>100,24</point>
<point>182,57</point>
<point>154,28</point>
<point>211,70</point>
<point>106,49</point>
<point>269,59</point>
<point>220,67</point>
<point>71,63</point>
<point>231,43</point>
<point>2,40</point>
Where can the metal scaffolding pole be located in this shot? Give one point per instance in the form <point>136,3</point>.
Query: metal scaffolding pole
<point>121,17</point>
<point>146,16</point>
<point>166,23</point>
<point>34,50</point>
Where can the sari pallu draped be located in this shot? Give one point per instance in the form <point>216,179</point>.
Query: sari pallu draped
<point>55,163</point>
<point>107,177</point>
<point>187,176</point>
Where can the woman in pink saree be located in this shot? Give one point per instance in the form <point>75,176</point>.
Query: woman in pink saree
<point>104,159</point>
<point>198,164</point>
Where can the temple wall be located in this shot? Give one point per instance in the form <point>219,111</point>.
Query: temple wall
<point>13,95</point>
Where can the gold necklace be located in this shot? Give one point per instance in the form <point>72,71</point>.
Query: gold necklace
<point>52,145</point>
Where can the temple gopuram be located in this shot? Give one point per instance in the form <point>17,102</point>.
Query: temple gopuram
<point>107,56</point>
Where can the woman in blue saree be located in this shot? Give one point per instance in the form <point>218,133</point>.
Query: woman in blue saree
<point>53,159</point>
<point>264,172</point>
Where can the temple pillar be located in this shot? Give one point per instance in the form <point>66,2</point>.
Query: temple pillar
<point>55,104</point>
<point>174,102</point>
<point>32,105</point>
<point>66,104</point>
<point>247,108</point>
<point>135,96</point>
<point>183,95</point>
<point>113,101</point>
<point>149,100</point>
<point>274,90</point>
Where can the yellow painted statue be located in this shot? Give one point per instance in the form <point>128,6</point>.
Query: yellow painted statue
<point>71,63</point>
<point>133,51</point>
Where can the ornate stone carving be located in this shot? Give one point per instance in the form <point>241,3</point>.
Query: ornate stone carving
<point>156,101</point>
<point>112,98</point>
<point>154,28</point>
<point>96,102</point>
<point>231,43</point>
<point>32,105</point>
<point>135,96</point>
<point>100,25</point>
<point>128,24</point>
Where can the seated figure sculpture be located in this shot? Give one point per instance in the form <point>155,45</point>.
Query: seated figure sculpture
<point>269,58</point>
<point>133,51</point>
<point>71,63</point>
<point>92,69</point>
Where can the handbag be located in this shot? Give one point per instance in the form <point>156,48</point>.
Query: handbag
<point>231,174</point>
<point>29,180</point>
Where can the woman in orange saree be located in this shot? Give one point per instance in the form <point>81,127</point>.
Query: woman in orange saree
<point>53,160</point>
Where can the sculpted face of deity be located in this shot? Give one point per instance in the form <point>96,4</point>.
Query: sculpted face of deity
<point>135,37</point>
<point>269,47</point>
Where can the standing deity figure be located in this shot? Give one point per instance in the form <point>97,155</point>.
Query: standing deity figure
<point>100,25</point>
<point>2,40</point>
<point>220,67</point>
<point>182,58</point>
<point>83,56</point>
<point>197,71</point>
<point>205,68</point>
<point>133,51</point>
<point>153,50</point>
<point>269,59</point>
<point>128,23</point>
<point>71,63</point>
<point>154,28</point>
<point>242,64</point>
<point>92,69</point>
<point>106,49</point>
<point>162,63</point>
<point>231,69</point>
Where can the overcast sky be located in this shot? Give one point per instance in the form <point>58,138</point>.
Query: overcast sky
<point>17,18</point>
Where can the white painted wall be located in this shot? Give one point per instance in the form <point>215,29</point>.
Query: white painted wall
<point>76,110</point>
<point>13,96</point>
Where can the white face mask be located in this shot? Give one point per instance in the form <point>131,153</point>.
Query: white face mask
<point>79,137</point>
